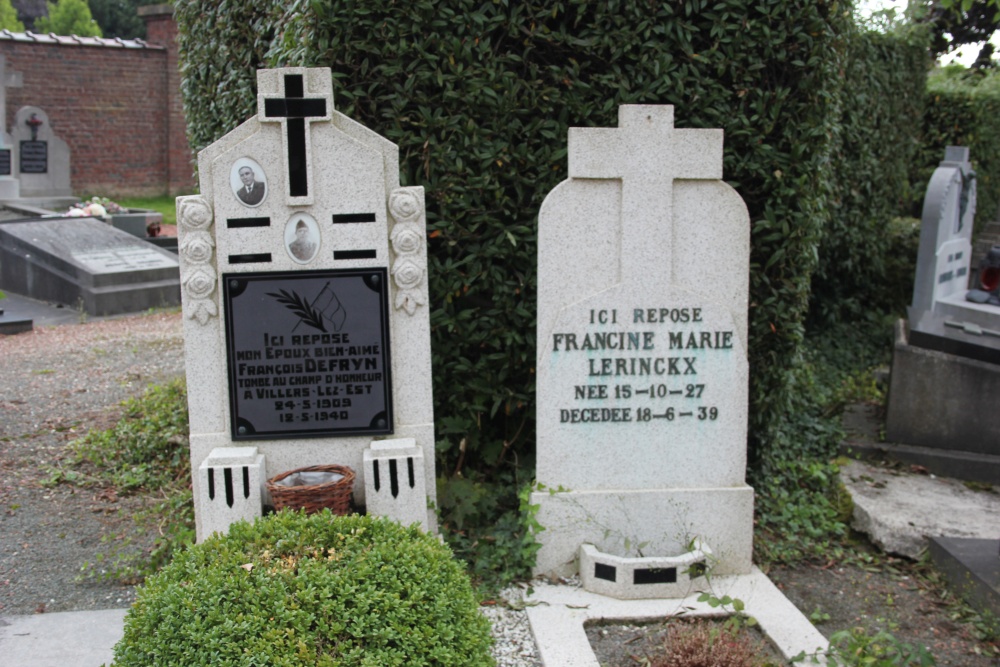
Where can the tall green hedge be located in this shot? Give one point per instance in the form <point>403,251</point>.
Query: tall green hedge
<point>877,141</point>
<point>963,109</point>
<point>479,96</point>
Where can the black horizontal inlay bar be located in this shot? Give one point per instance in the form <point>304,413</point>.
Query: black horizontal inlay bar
<point>346,218</point>
<point>354,254</point>
<point>294,107</point>
<point>250,259</point>
<point>236,223</point>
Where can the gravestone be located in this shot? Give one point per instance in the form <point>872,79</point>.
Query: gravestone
<point>643,278</point>
<point>941,316</point>
<point>946,359</point>
<point>304,273</point>
<point>87,264</point>
<point>9,186</point>
<point>43,159</point>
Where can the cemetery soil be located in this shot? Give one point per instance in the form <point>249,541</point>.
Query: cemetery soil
<point>56,383</point>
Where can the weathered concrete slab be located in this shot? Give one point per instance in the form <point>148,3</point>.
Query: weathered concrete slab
<point>899,510</point>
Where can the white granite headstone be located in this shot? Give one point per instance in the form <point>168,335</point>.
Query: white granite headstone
<point>643,277</point>
<point>304,280</point>
<point>43,158</point>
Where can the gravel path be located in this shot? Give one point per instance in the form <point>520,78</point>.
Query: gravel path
<point>55,384</point>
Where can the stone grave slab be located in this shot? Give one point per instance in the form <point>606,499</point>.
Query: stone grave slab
<point>304,274</point>
<point>643,278</point>
<point>43,158</point>
<point>84,263</point>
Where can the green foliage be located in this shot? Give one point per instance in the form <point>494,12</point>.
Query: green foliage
<point>492,526</point>
<point>8,17</point>
<point>119,18</point>
<point>165,205</point>
<point>295,590</point>
<point>218,74</point>
<point>146,452</point>
<point>68,17</point>
<point>963,109</point>
<point>800,507</point>
<point>146,449</point>
<point>881,104</point>
<point>859,648</point>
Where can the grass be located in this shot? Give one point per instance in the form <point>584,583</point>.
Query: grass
<point>166,205</point>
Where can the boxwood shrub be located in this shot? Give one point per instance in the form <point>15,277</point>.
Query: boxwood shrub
<point>293,590</point>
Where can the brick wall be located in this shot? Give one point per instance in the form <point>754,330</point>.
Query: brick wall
<point>162,30</point>
<point>117,108</point>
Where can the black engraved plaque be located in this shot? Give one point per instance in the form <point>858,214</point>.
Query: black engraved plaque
<point>34,157</point>
<point>308,353</point>
<point>4,162</point>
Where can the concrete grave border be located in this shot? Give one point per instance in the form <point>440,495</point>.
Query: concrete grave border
<point>557,615</point>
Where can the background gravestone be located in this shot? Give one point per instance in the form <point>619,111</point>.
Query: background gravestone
<point>643,274</point>
<point>941,408</point>
<point>303,266</point>
<point>42,163</point>
<point>87,264</point>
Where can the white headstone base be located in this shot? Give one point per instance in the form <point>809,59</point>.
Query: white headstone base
<point>394,481</point>
<point>232,480</point>
<point>656,522</point>
<point>653,577</point>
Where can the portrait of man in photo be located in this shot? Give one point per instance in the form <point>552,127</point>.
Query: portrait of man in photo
<point>252,189</point>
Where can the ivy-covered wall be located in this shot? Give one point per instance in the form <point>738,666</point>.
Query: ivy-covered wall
<point>479,97</point>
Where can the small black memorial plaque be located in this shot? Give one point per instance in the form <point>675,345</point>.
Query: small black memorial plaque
<point>308,353</point>
<point>4,162</point>
<point>34,157</point>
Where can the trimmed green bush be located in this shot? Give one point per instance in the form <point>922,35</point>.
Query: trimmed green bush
<point>293,590</point>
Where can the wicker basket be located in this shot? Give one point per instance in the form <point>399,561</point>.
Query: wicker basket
<point>312,498</point>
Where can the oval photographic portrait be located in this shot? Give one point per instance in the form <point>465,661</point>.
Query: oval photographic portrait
<point>249,182</point>
<point>302,238</point>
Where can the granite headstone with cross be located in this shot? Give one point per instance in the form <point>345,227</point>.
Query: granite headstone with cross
<point>303,270</point>
<point>643,274</point>
<point>43,158</point>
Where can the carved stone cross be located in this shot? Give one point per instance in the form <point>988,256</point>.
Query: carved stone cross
<point>647,189</point>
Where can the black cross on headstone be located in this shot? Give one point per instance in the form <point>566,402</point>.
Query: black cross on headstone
<point>293,110</point>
